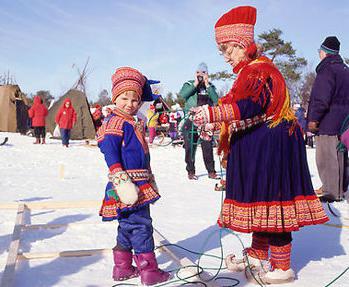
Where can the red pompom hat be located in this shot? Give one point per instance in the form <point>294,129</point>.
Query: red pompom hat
<point>237,26</point>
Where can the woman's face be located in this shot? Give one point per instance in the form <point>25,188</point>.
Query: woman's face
<point>67,104</point>
<point>233,53</point>
<point>128,102</point>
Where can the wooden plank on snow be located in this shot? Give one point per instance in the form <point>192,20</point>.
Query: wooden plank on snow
<point>54,204</point>
<point>10,268</point>
<point>68,253</point>
<point>191,272</point>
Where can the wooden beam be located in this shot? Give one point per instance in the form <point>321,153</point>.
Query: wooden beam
<point>54,226</point>
<point>68,253</point>
<point>53,204</point>
<point>191,272</point>
<point>8,275</point>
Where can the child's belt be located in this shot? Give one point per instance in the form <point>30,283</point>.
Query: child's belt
<point>139,174</point>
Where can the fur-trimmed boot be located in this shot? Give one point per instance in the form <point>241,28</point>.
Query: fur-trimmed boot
<point>253,258</point>
<point>123,268</point>
<point>149,270</point>
<point>37,141</point>
<point>240,264</point>
<point>278,276</point>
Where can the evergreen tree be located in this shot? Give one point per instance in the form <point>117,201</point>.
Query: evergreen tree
<point>223,75</point>
<point>284,56</point>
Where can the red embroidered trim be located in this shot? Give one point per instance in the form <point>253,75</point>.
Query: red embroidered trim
<point>112,127</point>
<point>280,256</point>
<point>272,216</point>
<point>116,167</point>
<point>240,33</point>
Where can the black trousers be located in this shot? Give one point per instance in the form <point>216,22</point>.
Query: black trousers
<point>40,132</point>
<point>191,138</point>
<point>276,239</point>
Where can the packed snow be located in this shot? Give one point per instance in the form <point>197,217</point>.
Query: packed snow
<point>186,215</point>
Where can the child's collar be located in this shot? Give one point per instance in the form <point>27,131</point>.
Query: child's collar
<point>124,115</point>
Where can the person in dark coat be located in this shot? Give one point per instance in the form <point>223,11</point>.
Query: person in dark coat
<point>38,113</point>
<point>66,119</point>
<point>328,107</point>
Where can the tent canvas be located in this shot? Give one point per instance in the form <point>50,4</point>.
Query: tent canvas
<point>13,106</point>
<point>84,127</point>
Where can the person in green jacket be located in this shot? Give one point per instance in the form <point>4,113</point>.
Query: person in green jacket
<point>196,93</point>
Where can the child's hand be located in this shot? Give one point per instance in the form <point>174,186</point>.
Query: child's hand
<point>124,187</point>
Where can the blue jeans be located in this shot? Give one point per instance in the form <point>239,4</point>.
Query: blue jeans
<point>135,231</point>
<point>65,135</point>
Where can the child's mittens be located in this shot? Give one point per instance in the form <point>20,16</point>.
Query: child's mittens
<point>125,188</point>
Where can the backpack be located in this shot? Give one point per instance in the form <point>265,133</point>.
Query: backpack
<point>343,145</point>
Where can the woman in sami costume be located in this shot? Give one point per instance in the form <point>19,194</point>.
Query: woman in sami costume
<point>131,187</point>
<point>269,192</point>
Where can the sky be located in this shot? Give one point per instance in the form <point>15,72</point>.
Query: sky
<point>43,42</point>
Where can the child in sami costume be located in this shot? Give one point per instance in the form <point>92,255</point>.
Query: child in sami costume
<point>131,187</point>
<point>268,187</point>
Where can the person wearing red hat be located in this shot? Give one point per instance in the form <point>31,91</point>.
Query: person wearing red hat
<point>131,187</point>
<point>269,192</point>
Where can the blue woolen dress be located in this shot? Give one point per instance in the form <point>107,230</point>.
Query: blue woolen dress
<point>268,184</point>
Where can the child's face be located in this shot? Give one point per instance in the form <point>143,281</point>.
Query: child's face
<point>128,102</point>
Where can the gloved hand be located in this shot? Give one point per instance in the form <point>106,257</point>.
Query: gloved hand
<point>206,132</point>
<point>200,115</point>
<point>124,187</point>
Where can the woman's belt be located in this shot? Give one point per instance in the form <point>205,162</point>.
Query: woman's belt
<point>242,125</point>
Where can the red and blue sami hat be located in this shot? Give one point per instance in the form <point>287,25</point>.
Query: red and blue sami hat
<point>237,26</point>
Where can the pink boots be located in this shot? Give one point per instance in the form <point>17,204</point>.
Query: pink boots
<point>148,269</point>
<point>123,268</point>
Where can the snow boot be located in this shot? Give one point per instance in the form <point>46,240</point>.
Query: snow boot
<point>37,141</point>
<point>149,270</point>
<point>192,176</point>
<point>43,141</point>
<point>123,268</point>
<point>278,276</point>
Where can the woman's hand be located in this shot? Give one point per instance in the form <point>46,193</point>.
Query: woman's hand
<point>200,115</point>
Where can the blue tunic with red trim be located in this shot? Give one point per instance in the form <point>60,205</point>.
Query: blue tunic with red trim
<point>121,140</point>
<point>268,184</point>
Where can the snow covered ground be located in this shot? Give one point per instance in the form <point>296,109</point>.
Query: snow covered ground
<point>186,215</point>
